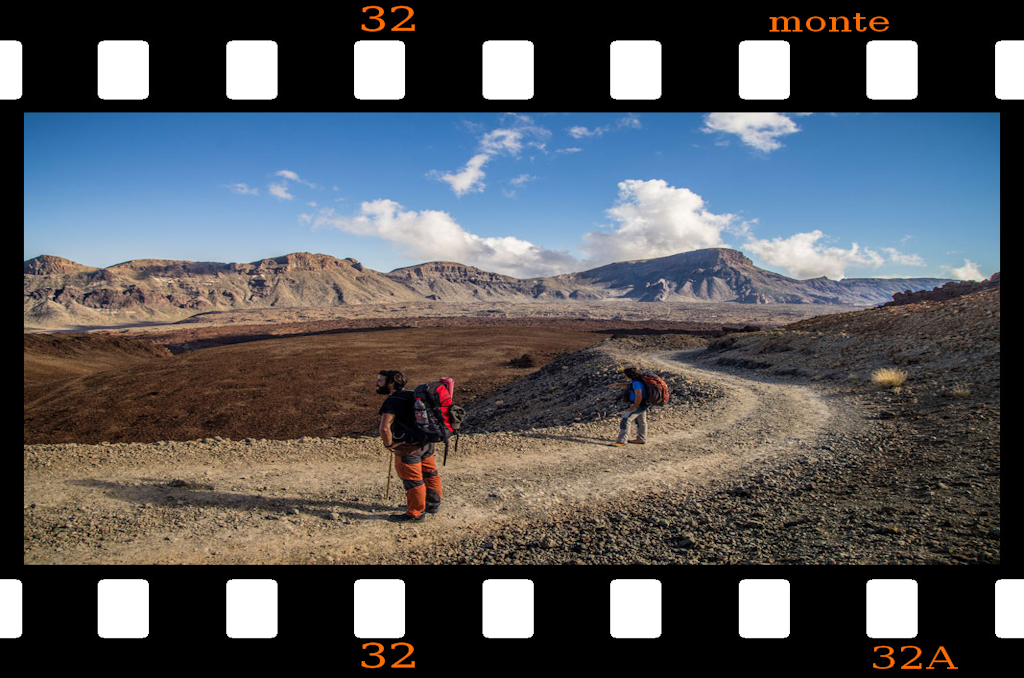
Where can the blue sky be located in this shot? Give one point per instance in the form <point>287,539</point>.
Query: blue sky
<point>525,194</point>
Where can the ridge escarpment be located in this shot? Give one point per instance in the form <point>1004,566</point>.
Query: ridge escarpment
<point>58,292</point>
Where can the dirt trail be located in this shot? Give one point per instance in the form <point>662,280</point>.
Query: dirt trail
<point>322,500</point>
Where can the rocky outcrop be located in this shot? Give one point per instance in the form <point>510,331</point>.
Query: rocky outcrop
<point>950,290</point>
<point>51,265</point>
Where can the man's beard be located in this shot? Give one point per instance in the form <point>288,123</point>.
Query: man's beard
<point>383,390</point>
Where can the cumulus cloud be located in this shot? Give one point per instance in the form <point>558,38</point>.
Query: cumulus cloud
<point>443,239</point>
<point>969,271</point>
<point>653,219</point>
<point>470,179</point>
<point>649,219</point>
<point>757,130</point>
<point>803,256</point>
<point>807,255</point>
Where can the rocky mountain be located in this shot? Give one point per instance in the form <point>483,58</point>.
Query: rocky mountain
<point>727,275</point>
<point>450,281</point>
<point>62,292</point>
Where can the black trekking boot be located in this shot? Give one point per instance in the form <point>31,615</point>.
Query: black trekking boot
<point>406,518</point>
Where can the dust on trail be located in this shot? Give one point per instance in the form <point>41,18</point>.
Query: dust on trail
<point>322,500</point>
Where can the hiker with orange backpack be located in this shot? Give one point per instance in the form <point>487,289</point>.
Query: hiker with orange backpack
<point>414,459</point>
<point>642,390</point>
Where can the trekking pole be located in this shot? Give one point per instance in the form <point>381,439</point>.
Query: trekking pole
<point>387,493</point>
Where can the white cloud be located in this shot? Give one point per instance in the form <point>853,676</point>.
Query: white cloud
<point>631,121</point>
<point>288,174</point>
<point>243,189</point>
<point>580,132</point>
<point>280,191</point>
<point>470,179</point>
<point>898,257</point>
<point>506,141</point>
<point>805,255</point>
<point>802,256</point>
<point>431,235</point>
<point>502,141</point>
<point>757,130</point>
<point>654,219</point>
<point>969,271</point>
<point>649,219</point>
<point>516,182</point>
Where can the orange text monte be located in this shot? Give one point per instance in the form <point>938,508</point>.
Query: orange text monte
<point>833,24</point>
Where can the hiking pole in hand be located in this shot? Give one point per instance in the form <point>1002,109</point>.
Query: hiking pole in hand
<point>387,492</point>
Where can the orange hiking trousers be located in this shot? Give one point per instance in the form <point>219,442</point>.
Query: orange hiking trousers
<point>418,472</point>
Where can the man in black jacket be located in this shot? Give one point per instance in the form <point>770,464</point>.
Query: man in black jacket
<point>414,460</point>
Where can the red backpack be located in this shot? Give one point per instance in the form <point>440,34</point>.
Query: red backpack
<point>437,419</point>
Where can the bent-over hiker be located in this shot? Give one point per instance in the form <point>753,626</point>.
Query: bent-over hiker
<point>636,395</point>
<point>414,460</point>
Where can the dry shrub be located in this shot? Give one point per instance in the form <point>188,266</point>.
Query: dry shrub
<point>888,377</point>
<point>960,391</point>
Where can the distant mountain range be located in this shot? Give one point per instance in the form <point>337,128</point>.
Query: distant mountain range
<point>58,291</point>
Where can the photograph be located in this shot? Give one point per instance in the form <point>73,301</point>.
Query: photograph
<point>565,338</point>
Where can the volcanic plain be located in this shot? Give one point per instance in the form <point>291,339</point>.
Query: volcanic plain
<point>249,438</point>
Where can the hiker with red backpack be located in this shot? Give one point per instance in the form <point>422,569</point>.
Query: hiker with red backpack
<point>414,455</point>
<point>642,390</point>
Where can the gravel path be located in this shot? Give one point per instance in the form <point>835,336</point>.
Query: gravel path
<point>739,468</point>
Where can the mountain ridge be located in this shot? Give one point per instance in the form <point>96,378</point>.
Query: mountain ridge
<point>58,290</point>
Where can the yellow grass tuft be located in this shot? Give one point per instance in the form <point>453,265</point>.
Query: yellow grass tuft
<point>960,391</point>
<point>888,377</point>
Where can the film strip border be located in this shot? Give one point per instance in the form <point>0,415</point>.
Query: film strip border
<point>705,620</point>
<point>974,616</point>
<point>382,72</point>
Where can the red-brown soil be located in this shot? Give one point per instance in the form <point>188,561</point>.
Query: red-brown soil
<point>278,388</point>
<point>281,380</point>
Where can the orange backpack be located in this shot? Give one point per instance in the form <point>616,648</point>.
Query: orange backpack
<point>656,388</point>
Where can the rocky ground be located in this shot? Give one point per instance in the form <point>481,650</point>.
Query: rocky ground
<point>775,448</point>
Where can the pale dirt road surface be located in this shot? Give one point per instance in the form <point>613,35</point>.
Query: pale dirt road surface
<point>322,500</point>
<point>775,449</point>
